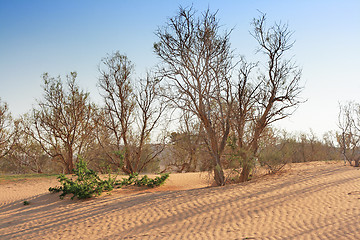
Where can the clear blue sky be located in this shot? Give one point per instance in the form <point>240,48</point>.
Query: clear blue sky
<point>63,36</point>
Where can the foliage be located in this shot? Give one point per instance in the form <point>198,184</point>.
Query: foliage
<point>26,203</point>
<point>144,181</point>
<point>158,181</point>
<point>89,184</point>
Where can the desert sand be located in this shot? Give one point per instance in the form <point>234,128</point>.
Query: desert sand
<point>319,200</point>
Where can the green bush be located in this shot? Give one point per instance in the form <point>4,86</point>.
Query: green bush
<point>144,181</point>
<point>88,183</point>
<point>127,181</point>
<point>157,181</point>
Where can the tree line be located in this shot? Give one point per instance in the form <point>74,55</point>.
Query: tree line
<point>224,106</point>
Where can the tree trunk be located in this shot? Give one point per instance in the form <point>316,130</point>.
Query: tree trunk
<point>356,162</point>
<point>127,168</point>
<point>69,161</point>
<point>245,172</point>
<point>69,167</point>
<point>248,157</point>
<point>192,162</point>
<point>218,172</point>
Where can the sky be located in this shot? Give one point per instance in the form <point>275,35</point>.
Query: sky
<point>59,37</point>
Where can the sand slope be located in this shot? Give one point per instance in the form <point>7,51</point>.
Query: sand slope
<point>309,201</point>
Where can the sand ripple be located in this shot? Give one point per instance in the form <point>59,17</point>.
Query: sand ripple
<point>310,201</point>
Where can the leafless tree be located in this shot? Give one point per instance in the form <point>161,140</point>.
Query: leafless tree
<point>115,83</point>
<point>62,123</point>
<point>132,111</point>
<point>349,138</point>
<point>244,116</point>
<point>150,109</point>
<point>105,150</point>
<point>27,155</point>
<point>8,130</point>
<point>197,64</point>
<point>269,97</point>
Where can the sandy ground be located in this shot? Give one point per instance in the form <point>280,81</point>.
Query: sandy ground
<point>309,201</point>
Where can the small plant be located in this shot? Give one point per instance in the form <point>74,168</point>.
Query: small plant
<point>157,181</point>
<point>127,181</point>
<point>87,184</point>
<point>26,203</point>
<point>144,181</point>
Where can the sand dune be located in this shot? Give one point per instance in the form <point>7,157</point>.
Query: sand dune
<point>309,201</point>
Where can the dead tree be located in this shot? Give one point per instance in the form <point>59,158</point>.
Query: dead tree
<point>116,86</point>
<point>27,155</point>
<point>197,64</point>
<point>8,130</point>
<point>131,113</point>
<point>269,97</point>
<point>349,138</point>
<point>150,109</point>
<point>62,123</point>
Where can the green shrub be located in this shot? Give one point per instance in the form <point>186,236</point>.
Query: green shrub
<point>127,181</point>
<point>157,181</point>
<point>144,181</point>
<point>88,183</point>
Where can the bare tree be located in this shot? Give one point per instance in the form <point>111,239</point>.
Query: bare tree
<point>132,111</point>
<point>197,63</point>
<point>28,155</point>
<point>115,83</point>
<point>150,108</point>
<point>105,151</point>
<point>244,116</point>
<point>271,96</point>
<point>62,123</point>
<point>7,130</point>
<point>349,138</point>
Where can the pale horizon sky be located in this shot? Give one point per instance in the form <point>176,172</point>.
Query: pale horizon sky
<point>63,36</point>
